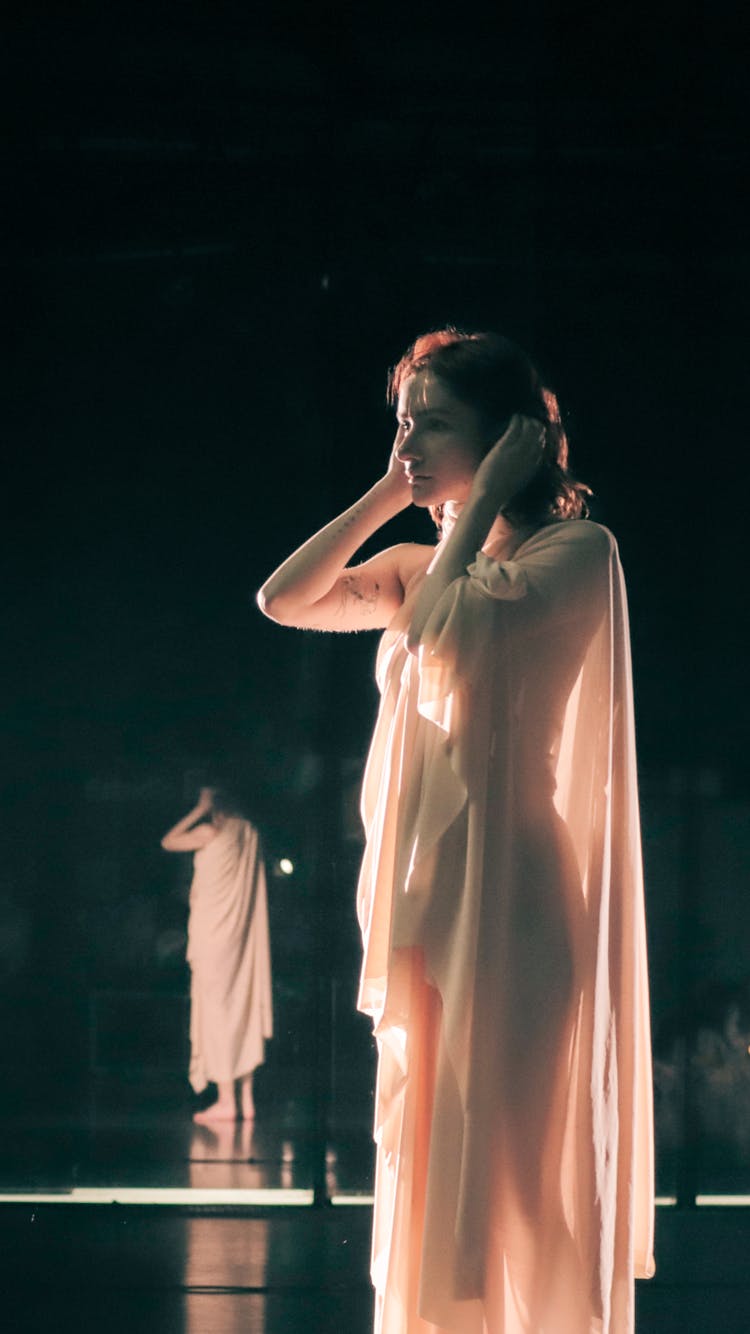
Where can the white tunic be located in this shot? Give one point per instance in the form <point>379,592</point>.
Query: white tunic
<point>229,957</point>
<point>501,906</point>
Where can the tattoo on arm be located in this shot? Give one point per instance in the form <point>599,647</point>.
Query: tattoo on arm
<point>351,517</point>
<point>352,590</point>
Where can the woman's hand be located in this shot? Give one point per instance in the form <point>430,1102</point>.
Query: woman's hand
<point>205,799</point>
<point>513,460</point>
<point>188,835</point>
<point>395,478</point>
<point>503,472</point>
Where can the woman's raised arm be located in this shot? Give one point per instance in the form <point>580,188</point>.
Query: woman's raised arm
<point>503,472</point>
<point>187,835</point>
<point>314,589</point>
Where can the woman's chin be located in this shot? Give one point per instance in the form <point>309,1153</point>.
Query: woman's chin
<point>425,497</point>
<point>425,493</point>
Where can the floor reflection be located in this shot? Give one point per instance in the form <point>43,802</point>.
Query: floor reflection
<point>240,1255</point>
<point>106,1144</point>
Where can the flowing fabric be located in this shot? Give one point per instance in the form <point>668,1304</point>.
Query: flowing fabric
<point>501,908</point>
<point>229,955</point>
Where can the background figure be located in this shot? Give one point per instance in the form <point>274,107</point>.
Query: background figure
<point>228,951</point>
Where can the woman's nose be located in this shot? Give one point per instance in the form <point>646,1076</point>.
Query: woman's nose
<point>405,449</point>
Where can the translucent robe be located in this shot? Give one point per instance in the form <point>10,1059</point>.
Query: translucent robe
<point>229,955</point>
<point>501,908</point>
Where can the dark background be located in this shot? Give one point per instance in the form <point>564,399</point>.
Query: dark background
<point>222,225</point>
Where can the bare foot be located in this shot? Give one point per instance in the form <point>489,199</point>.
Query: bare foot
<point>218,1111</point>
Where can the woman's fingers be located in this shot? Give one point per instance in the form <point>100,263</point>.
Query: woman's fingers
<point>525,436</point>
<point>524,433</point>
<point>515,457</point>
<point>396,472</point>
<point>395,463</point>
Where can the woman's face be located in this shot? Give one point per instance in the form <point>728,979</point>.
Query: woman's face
<point>440,440</point>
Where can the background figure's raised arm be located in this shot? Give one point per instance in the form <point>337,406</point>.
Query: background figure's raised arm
<point>313,589</point>
<point>187,835</point>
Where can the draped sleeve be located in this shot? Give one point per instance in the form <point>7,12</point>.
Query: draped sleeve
<point>505,629</point>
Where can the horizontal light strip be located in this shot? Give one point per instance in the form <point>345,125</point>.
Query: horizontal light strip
<point>724,1200</point>
<point>156,1195</point>
<point>664,1201</point>
<point>190,1195</point>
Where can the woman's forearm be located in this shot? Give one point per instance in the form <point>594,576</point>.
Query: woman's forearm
<point>503,472</point>
<point>312,570</point>
<point>185,824</point>
<point>467,535</point>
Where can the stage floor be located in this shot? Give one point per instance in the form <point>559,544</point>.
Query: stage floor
<point>155,1270</point>
<point>270,1268</point>
<point>146,1141</point>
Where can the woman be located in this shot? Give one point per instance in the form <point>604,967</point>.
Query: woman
<point>228,953</point>
<point>500,896</point>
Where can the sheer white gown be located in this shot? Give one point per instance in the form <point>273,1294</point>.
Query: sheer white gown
<point>501,907</point>
<point>229,955</point>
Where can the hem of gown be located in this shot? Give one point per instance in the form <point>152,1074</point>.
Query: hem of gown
<point>207,1079</point>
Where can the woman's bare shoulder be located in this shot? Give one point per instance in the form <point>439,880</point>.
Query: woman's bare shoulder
<point>412,558</point>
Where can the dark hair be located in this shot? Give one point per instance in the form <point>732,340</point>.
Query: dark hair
<point>498,379</point>
<point>227,802</point>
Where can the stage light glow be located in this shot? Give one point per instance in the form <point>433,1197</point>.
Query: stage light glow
<point>286,866</point>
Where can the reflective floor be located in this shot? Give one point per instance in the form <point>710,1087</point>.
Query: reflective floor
<point>192,1267</point>
<point>161,1272</point>
<point>271,1268</point>
<point>291,1271</point>
<point>150,1142</point>
<point>160,1154</point>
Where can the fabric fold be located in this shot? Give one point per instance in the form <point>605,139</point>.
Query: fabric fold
<point>231,1013</point>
